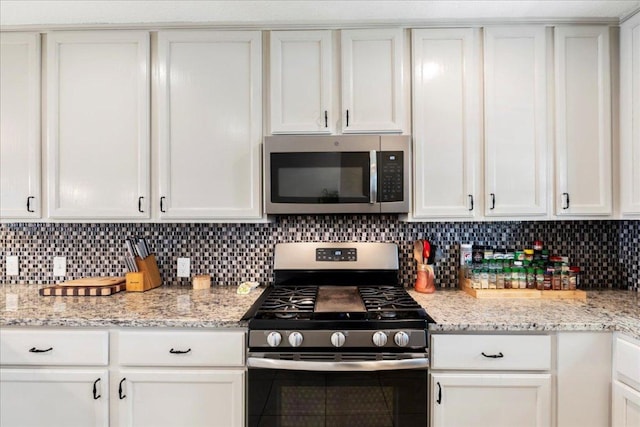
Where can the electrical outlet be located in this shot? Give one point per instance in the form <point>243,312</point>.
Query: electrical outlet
<point>184,267</point>
<point>12,265</point>
<point>59,266</point>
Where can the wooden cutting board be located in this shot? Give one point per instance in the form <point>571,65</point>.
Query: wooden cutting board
<point>94,281</point>
<point>82,291</point>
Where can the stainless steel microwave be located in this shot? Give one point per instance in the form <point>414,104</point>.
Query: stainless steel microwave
<point>337,174</point>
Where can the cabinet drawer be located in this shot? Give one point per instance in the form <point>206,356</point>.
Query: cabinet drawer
<point>491,352</point>
<point>181,348</point>
<point>627,360</point>
<point>45,347</point>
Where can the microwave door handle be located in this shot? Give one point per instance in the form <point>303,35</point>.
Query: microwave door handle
<point>373,176</point>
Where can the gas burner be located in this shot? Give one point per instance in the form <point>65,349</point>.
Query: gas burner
<point>387,298</point>
<point>388,314</point>
<point>285,315</point>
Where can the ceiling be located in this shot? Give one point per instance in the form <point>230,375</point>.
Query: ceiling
<point>307,12</point>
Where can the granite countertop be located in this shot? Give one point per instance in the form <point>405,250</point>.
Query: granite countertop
<point>165,306</point>
<point>603,310</point>
<point>222,307</point>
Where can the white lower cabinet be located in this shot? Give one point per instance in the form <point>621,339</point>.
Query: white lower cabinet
<point>179,378</point>
<point>583,372</point>
<point>179,397</point>
<point>63,397</point>
<point>484,380</point>
<point>122,377</point>
<point>490,399</point>
<point>53,377</point>
<point>625,406</point>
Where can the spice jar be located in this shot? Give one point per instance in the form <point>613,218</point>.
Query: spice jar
<point>539,279</point>
<point>573,278</point>
<point>506,271</point>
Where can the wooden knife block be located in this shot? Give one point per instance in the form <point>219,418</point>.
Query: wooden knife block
<point>147,277</point>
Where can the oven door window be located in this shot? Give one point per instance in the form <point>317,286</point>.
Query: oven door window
<point>363,399</point>
<point>316,178</point>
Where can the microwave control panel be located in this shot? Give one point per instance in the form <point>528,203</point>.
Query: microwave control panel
<point>390,176</point>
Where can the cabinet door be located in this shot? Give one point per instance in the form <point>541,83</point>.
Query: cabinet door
<point>98,124</point>
<point>584,364</point>
<point>210,118</point>
<point>515,81</point>
<point>446,122</point>
<point>158,398</point>
<point>54,397</point>
<point>372,81</point>
<point>20,125</point>
<point>583,120</point>
<point>497,400</point>
<point>630,116</point>
<point>626,406</point>
<point>301,82</point>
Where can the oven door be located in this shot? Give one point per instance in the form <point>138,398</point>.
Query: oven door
<point>352,392</point>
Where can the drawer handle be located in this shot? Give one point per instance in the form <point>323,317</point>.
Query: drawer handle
<point>96,396</point>
<point>172,351</point>
<point>120,395</point>
<point>493,356</point>
<point>439,400</point>
<point>37,350</point>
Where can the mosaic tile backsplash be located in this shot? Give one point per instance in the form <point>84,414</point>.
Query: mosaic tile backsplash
<point>608,252</point>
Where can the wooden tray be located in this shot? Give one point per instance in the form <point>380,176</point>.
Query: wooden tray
<point>465,285</point>
<point>82,291</point>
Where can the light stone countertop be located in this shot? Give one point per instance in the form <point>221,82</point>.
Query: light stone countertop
<point>603,310</point>
<point>222,307</point>
<point>165,306</point>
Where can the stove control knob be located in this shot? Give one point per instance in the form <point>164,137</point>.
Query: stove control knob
<point>379,339</point>
<point>337,339</point>
<point>274,339</point>
<point>401,339</point>
<point>295,339</point>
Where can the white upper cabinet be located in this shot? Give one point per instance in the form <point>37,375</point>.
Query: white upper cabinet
<point>210,124</point>
<point>20,125</point>
<point>515,71</point>
<point>301,82</point>
<point>447,122</point>
<point>98,124</point>
<point>630,116</point>
<point>372,81</point>
<point>583,121</point>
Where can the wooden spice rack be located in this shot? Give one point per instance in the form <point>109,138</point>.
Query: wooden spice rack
<point>465,285</point>
<point>147,277</point>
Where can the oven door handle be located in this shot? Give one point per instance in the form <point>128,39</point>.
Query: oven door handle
<point>359,366</point>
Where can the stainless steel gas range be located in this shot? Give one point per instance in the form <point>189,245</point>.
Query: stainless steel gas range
<point>336,340</point>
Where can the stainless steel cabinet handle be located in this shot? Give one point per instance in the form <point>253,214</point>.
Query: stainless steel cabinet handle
<point>493,356</point>
<point>172,351</point>
<point>162,204</point>
<point>29,204</point>
<point>471,201</point>
<point>120,394</point>
<point>565,196</point>
<point>96,396</point>
<point>439,399</point>
<point>140,204</point>
<point>493,200</point>
<point>37,350</point>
